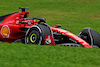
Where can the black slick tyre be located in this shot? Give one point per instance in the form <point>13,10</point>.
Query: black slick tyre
<point>36,34</point>
<point>34,37</point>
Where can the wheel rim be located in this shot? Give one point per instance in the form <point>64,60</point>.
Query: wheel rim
<point>33,38</point>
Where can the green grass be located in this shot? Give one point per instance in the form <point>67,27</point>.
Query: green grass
<point>20,55</point>
<point>80,14</point>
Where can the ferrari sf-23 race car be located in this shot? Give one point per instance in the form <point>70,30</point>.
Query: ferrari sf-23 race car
<point>19,27</point>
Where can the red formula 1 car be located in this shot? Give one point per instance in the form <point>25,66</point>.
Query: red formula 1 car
<point>34,30</point>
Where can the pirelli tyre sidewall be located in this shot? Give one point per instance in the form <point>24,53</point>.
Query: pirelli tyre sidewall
<point>36,34</point>
<point>34,37</point>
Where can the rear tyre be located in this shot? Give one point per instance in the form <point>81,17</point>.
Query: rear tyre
<point>36,34</point>
<point>34,37</point>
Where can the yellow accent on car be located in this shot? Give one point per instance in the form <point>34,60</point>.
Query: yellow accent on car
<point>33,36</point>
<point>34,20</point>
<point>70,34</point>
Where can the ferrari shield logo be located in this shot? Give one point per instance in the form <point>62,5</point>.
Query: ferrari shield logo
<point>49,40</point>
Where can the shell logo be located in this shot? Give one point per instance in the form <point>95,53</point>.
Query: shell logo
<point>5,31</point>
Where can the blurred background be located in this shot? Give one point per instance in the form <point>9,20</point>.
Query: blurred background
<point>73,15</point>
